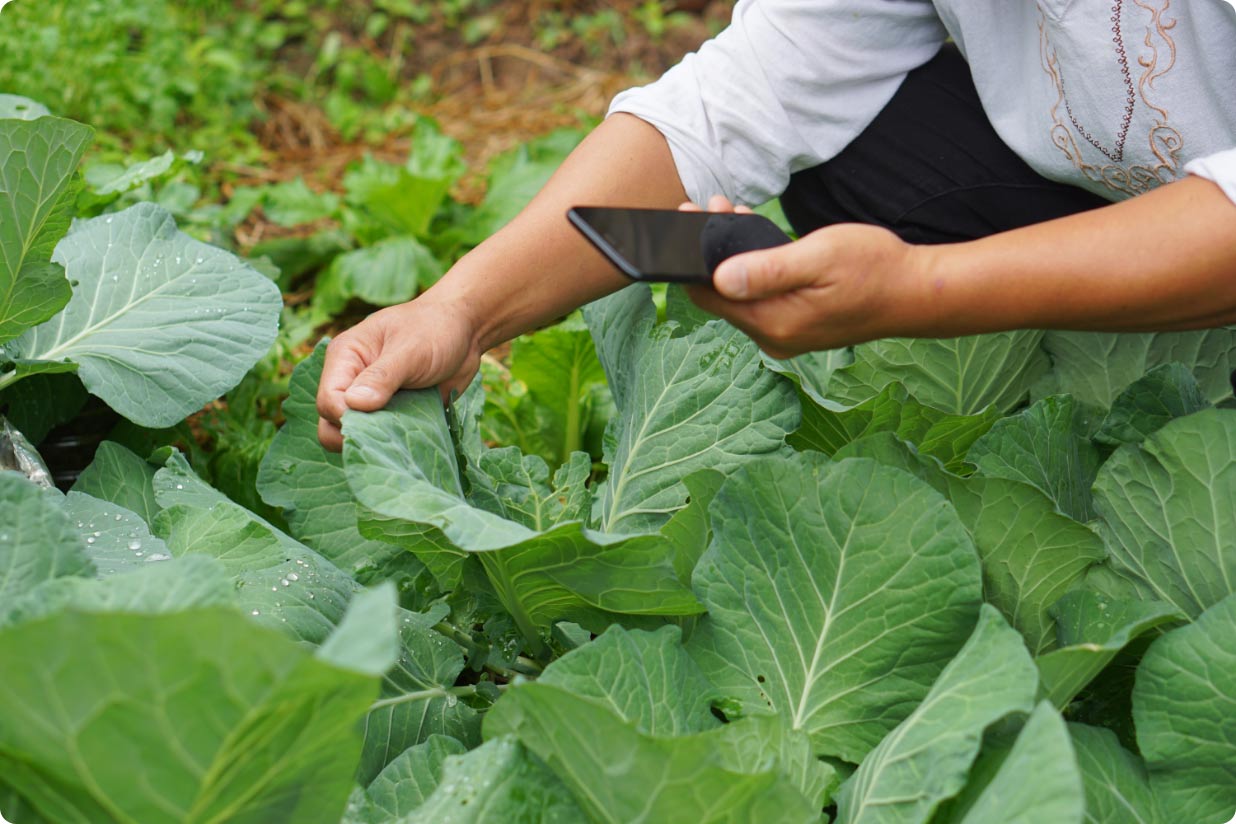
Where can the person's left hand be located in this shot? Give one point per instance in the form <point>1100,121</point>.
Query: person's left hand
<point>838,286</point>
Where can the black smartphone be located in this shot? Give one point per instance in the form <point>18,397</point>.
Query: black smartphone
<point>672,246</point>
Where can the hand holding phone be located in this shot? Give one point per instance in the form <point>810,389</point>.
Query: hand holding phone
<point>672,246</point>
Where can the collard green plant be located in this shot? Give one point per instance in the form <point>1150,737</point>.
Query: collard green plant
<point>158,323</point>
<point>1164,506</point>
<point>152,321</point>
<point>1182,704</point>
<point>37,162</point>
<point>700,401</point>
<point>962,376</point>
<point>864,586</point>
<point>927,758</point>
<point>1095,367</point>
<point>872,581</point>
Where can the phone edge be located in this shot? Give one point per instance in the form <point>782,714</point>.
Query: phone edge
<point>601,245</point>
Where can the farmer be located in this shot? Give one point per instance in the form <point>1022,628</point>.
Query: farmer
<point>1064,165</point>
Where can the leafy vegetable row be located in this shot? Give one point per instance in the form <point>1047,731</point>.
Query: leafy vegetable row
<point>870,585</point>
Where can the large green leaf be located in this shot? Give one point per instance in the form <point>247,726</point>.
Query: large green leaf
<point>367,639</point>
<point>402,466</point>
<point>1095,367</point>
<point>962,376</point>
<point>1034,781</point>
<point>37,540</point>
<point>1168,511</point>
<point>499,781</point>
<point>887,449</point>
<point>1161,395</point>
<point>1092,631</point>
<point>926,759</point>
<point>756,743</point>
<point>159,323</point>
<point>409,779</point>
<point>391,271</point>
<point>1031,554</point>
<point>16,107</point>
<point>117,540</point>
<point>836,594</point>
<point>645,678</point>
<point>281,582</point>
<point>37,161</point>
<point>284,587</point>
<point>943,436</point>
<point>1047,446</point>
<point>689,532</point>
<point>812,371</point>
<point>620,775</point>
<point>121,477</point>
<point>417,703</point>
<point>701,401</point>
<point>219,719</point>
<point>174,586</point>
<point>308,483</point>
<point>1117,789</point>
<point>1184,705</point>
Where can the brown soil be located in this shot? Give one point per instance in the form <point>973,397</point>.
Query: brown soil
<point>491,96</point>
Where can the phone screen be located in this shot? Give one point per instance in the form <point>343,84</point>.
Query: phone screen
<point>663,244</point>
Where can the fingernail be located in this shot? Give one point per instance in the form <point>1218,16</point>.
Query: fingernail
<point>731,279</point>
<point>363,392</point>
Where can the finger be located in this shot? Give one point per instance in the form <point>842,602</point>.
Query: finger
<point>751,318</point>
<point>343,363</point>
<point>330,435</point>
<point>767,272</point>
<point>720,203</point>
<point>736,313</point>
<point>705,298</point>
<point>689,207</point>
<point>374,386</point>
<point>744,210</point>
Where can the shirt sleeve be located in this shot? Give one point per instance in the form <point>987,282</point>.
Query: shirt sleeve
<point>785,87</point>
<point>1218,168</point>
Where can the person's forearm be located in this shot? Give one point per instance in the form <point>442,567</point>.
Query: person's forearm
<point>539,267</point>
<point>1165,260</point>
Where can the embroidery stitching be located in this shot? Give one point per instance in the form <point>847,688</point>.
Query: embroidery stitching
<point>1122,57</point>
<point>1164,141</point>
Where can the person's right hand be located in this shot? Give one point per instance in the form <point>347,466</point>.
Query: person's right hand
<point>418,344</point>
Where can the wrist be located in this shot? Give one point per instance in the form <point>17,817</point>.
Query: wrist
<point>956,294</point>
<point>929,302</point>
<point>474,305</point>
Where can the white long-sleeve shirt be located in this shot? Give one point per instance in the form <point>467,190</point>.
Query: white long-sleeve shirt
<point>1117,96</point>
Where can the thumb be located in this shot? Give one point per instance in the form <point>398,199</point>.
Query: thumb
<point>762,274</point>
<point>374,386</point>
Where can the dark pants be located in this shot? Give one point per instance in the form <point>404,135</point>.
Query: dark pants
<point>930,168</point>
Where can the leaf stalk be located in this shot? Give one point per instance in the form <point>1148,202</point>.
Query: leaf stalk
<point>428,695</point>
